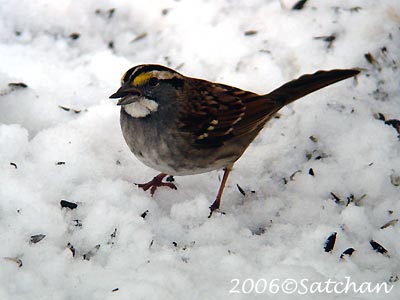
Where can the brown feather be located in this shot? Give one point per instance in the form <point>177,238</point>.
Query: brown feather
<point>221,112</point>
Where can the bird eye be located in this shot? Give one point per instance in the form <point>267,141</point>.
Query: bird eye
<point>153,81</point>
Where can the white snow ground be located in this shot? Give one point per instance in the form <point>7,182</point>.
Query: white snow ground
<point>73,54</point>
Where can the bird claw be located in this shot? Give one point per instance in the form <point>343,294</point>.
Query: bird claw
<point>155,183</point>
<point>215,208</point>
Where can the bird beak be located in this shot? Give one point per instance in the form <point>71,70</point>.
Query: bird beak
<point>127,94</point>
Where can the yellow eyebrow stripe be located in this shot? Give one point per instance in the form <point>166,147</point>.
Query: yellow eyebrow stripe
<point>141,78</point>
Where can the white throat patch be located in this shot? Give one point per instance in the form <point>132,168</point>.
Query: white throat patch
<point>141,108</point>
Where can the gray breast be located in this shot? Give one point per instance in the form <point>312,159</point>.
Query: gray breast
<point>157,143</point>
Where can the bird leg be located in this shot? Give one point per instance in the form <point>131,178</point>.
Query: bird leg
<point>217,201</point>
<point>155,183</point>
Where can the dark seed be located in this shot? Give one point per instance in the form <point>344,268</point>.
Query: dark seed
<point>350,199</point>
<point>390,223</point>
<point>111,12</point>
<point>144,214</point>
<point>330,242</point>
<point>378,247</point>
<point>14,165</point>
<point>74,36</point>
<point>114,234</point>
<point>321,156</point>
<point>241,190</point>
<point>37,238</point>
<point>395,179</point>
<point>17,85</point>
<point>77,111</point>
<point>348,251</point>
<point>336,198</point>
<point>139,37</point>
<point>311,172</point>
<point>71,205</point>
<point>355,9</point>
<point>16,260</point>
<point>329,39</point>
<point>368,56</point>
<point>250,32</point>
<point>175,244</point>
<point>71,248</point>
<point>294,174</point>
<point>115,290</point>
<point>299,5</point>
<point>64,108</point>
<point>380,116</point>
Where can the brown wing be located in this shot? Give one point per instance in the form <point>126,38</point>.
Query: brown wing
<point>220,112</point>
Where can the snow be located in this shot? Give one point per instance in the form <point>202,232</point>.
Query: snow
<point>73,55</point>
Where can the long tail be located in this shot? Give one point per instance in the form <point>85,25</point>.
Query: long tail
<point>307,84</point>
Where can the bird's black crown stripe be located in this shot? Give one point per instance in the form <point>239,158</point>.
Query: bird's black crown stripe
<point>136,71</point>
<point>148,68</point>
<point>128,74</point>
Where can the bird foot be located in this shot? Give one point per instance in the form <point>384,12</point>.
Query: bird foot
<point>215,208</point>
<point>155,183</point>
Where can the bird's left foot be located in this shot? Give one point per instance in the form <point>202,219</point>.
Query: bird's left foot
<point>215,208</point>
<point>155,183</point>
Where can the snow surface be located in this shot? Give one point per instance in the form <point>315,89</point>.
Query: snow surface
<point>72,54</point>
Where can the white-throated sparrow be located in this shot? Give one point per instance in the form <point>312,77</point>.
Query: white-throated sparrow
<point>183,126</point>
